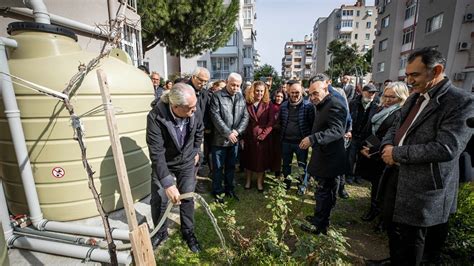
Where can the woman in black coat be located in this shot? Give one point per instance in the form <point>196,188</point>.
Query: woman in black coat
<point>370,166</point>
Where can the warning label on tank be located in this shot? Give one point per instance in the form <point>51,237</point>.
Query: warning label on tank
<point>58,172</point>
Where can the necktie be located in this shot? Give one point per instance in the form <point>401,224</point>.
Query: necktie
<point>406,124</point>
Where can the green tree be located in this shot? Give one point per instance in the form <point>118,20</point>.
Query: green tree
<point>345,59</point>
<point>266,71</point>
<point>187,27</point>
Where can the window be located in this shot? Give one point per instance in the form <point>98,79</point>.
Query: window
<point>381,67</point>
<point>346,37</point>
<point>368,25</point>
<point>410,11</point>
<point>383,45</point>
<point>358,13</point>
<point>387,2</point>
<point>297,60</point>
<point>367,36</point>
<point>247,16</point>
<point>247,52</point>
<point>357,25</point>
<point>297,66</point>
<point>356,35</point>
<point>408,36</point>
<point>132,4</point>
<point>346,23</point>
<point>247,1</point>
<point>347,12</point>
<point>299,54</point>
<point>222,66</point>
<point>131,44</point>
<point>385,21</point>
<point>202,63</point>
<point>233,40</point>
<point>403,62</point>
<point>247,72</point>
<point>434,23</point>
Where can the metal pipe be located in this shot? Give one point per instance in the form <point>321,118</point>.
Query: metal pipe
<point>18,138</point>
<point>62,21</point>
<point>5,217</point>
<point>68,250</point>
<point>82,230</point>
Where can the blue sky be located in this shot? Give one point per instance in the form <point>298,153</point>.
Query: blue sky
<point>278,21</point>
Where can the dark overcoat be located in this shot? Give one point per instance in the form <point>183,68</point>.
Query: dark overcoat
<point>429,157</point>
<point>166,155</point>
<point>328,156</point>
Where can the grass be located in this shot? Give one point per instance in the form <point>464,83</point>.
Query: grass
<point>364,242</point>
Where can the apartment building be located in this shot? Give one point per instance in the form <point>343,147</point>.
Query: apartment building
<point>404,26</point>
<point>238,55</point>
<point>296,64</point>
<point>91,14</point>
<point>352,23</point>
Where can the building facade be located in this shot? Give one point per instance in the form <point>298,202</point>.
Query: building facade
<point>238,55</point>
<point>404,26</point>
<point>351,23</point>
<point>91,14</point>
<point>296,64</point>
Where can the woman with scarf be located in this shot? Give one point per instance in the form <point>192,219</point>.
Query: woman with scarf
<point>370,165</point>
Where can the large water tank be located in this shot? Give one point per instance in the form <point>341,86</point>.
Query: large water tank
<point>49,56</point>
<point>3,248</point>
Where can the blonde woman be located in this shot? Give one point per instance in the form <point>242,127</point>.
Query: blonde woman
<point>257,143</point>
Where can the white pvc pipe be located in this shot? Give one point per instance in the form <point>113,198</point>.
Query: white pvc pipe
<point>9,42</point>
<point>82,230</point>
<point>39,10</point>
<point>4,216</point>
<point>68,250</point>
<point>18,138</point>
<point>62,21</point>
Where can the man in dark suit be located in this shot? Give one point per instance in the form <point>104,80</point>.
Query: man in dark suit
<point>423,151</point>
<point>174,137</point>
<point>327,158</point>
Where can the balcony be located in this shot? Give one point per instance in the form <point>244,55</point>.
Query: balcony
<point>288,50</point>
<point>308,61</point>
<point>287,63</point>
<point>346,29</point>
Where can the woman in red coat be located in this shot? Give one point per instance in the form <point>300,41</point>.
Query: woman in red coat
<point>256,137</point>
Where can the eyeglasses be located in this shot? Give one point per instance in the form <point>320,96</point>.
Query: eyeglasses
<point>203,81</point>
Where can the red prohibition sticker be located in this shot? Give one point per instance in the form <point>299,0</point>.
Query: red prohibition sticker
<point>58,172</point>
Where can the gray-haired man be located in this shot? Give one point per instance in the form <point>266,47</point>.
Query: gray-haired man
<point>174,137</point>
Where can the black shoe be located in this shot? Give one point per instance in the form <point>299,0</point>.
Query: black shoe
<point>287,183</point>
<point>309,219</point>
<point>192,242</point>
<point>158,238</point>
<point>232,195</point>
<point>343,194</point>
<point>314,229</point>
<point>370,215</point>
<point>385,261</point>
<point>350,180</point>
